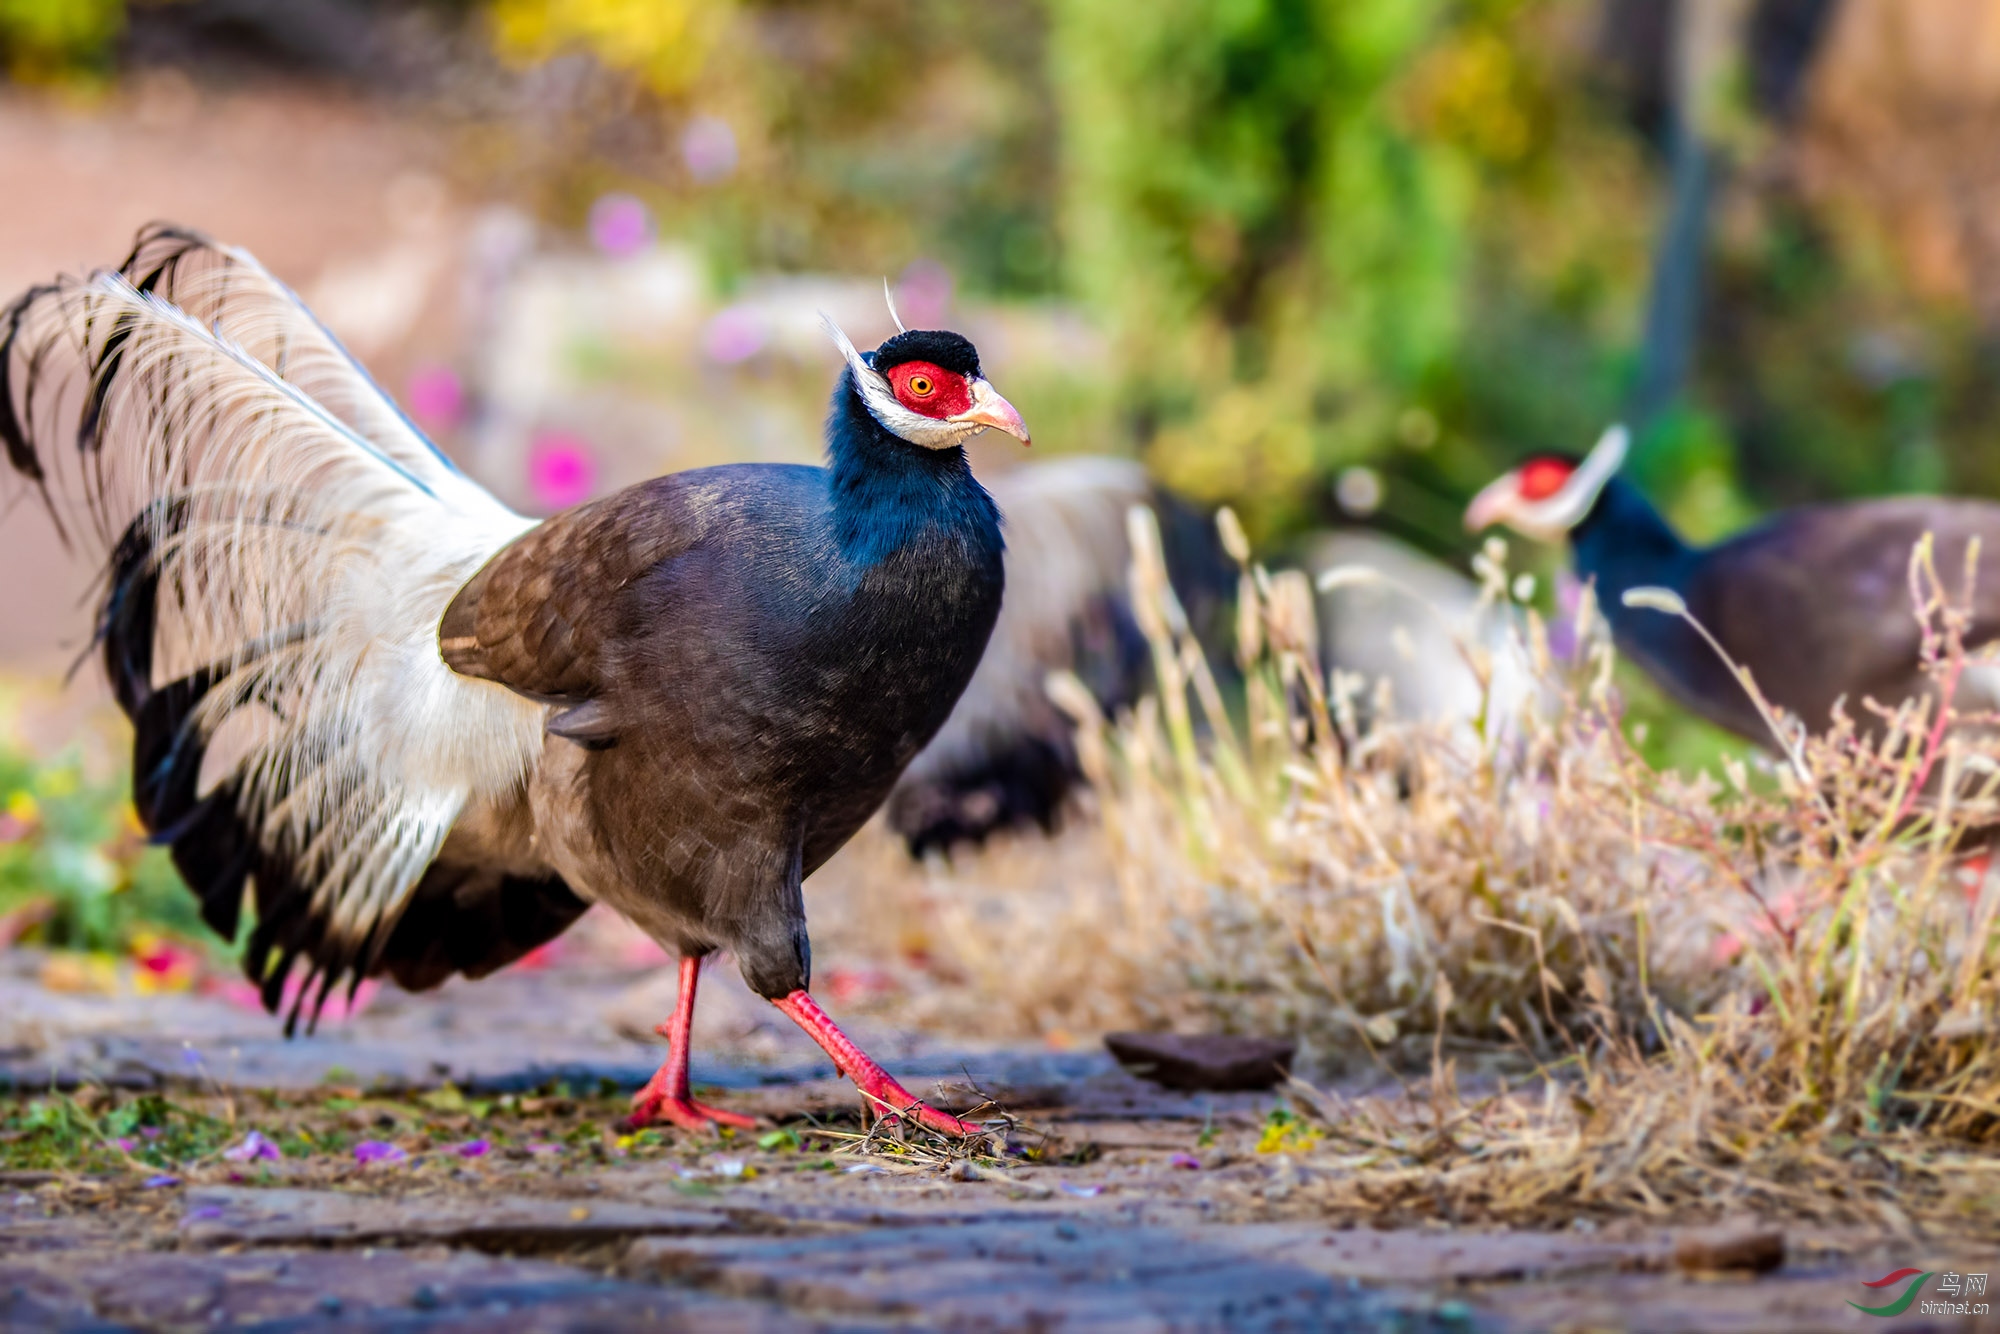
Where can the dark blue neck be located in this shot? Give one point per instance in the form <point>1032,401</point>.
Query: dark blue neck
<point>1624,543</point>
<point>888,492</point>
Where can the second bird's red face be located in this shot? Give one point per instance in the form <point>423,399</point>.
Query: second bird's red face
<point>1542,478</point>
<point>930,390</point>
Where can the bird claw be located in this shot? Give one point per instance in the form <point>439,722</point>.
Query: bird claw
<point>942,1122</point>
<point>651,1109</point>
<point>881,1090</point>
<point>895,1101</point>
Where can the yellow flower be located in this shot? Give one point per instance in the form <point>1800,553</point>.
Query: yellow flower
<point>665,42</point>
<point>1289,1136</point>
<point>72,972</point>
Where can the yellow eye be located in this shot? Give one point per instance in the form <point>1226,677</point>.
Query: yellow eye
<point>921,385</point>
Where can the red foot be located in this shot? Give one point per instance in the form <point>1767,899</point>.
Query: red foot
<point>875,1083</point>
<point>665,1097</point>
<point>651,1108</point>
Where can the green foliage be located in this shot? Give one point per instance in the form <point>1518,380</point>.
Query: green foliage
<point>75,865</point>
<point>43,40</point>
<point>1273,254</point>
<point>60,1133</point>
<point>1303,222</point>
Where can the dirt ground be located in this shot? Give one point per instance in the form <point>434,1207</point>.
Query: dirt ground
<point>502,1191</point>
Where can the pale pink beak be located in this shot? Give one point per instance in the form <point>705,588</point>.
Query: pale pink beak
<point>989,409</point>
<point>1493,502</point>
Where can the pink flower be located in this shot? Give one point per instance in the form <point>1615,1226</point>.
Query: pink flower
<point>245,995</point>
<point>923,294</point>
<point>846,985</point>
<point>641,952</point>
<point>163,965</point>
<point>254,1149</point>
<point>540,957</point>
<point>708,149</point>
<point>561,471</point>
<point>735,334</point>
<point>1186,1161</point>
<point>472,1148</point>
<point>620,225</point>
<point>437,397</point>
<point>375,1151</point>
<point>1562,628</point>
<point>544,1148</point>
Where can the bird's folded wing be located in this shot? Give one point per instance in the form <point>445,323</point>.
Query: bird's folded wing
<point>1820,604</point>
<point>537,618</point>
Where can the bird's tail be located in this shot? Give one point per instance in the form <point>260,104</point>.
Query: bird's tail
<point>278,543</point>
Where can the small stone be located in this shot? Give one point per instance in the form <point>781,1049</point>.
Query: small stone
<point>425,1298</point>
<point>1745,1246</point>
<point>330,1305</point>
<point>963,1170</point>
<point>1203,1062</point>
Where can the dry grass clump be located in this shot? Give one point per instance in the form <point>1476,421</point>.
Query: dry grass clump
<point>1778,987</point>
<point>1767,988</point>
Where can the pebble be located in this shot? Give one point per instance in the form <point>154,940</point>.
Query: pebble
<point>1742,1247</point>
<point>1196,1062</point>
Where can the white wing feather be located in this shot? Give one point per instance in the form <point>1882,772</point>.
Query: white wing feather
<point>306,541</point>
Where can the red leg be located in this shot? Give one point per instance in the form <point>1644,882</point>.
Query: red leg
<point>665,1097</point>
<point>888,1096</point>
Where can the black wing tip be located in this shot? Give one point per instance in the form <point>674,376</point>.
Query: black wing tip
<point>14,435</point>
<point>1023,783</point>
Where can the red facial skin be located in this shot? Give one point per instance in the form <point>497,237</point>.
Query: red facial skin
<point>944,394</point>
<point>1542,478</point>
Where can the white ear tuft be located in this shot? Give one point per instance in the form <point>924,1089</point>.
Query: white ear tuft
<point>1609,451</point>
<point>846,346</point>
<point>889,296</point>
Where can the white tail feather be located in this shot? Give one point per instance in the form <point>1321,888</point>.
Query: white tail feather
<point>306,539</point>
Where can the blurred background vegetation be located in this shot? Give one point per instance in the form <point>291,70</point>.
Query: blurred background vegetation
<point>1343,260</point>
<point>1416,236</point>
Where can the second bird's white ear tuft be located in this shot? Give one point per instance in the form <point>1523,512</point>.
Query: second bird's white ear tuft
<point>1608,454</point>
<point>889,295</point>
